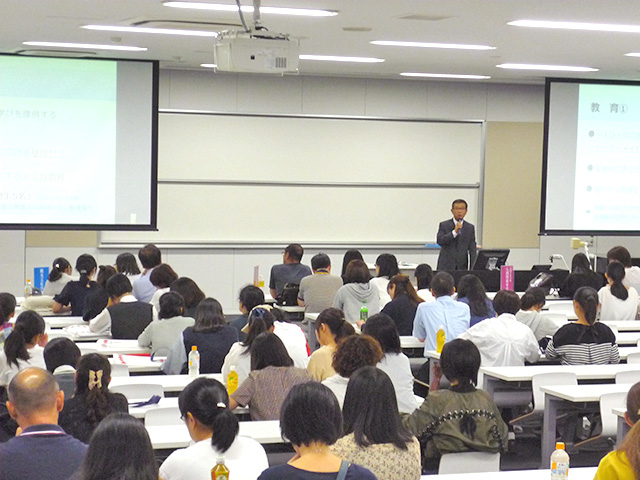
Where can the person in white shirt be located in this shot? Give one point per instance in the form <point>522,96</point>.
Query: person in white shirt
<point>126,263</point>
<point>424,274</point>
<point>530,314</point>
<point>632,273</point>
<point>386,267</point>
<point>204,406</point>
<point>504,341</point>
<point>394,363</point>
<point>59,276</point>
<point>150,257</point>
<point>24,348</point>
<point>293,338</point>
<point>161,278</point>
<point>617,301</point>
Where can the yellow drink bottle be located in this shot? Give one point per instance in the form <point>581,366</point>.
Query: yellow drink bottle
<point>440,339</point>
<point>232,380</point>
<point>220,471</point>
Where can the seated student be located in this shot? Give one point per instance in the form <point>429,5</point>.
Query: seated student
<point>24,347</point>
<point>204,405</point>
<point>98,300</point>
<point>374,436</point>
<point>471,291</point>
<point>126,263</point>
<point>162,333</point>
<point>424,274</point>
<point>352,353</point>
<point>59,276</point>
<point>126,318</point>
<point>92,401</point>
<point>293,337</point>
<point>75,292</point>
<point>289,271</point>
<point>7,312</point>
<point>624,462</point>
<point>445,313</point>
<point>403,305</point>
<point>394,363</point>
<point>632,273</point>
<point>331,328</point>
<point>249,298</point>
<point>312,421</point>
<point>386,267</point>
<point>530,314</point>
<point>150,257</point>
<point>191,293</point>
<point>272,376</point>
<point>504,341</point>
<point>120,448</point>
<point>317,291</point>
<point>161,278</point>
<point>357,292</point>
<point>210,334</point>
<point>463,418</point>
<point>581,276</point>
<point>585,341</point>
<point>61,356</point>
<point>617,302</point>
<point>349,255</point>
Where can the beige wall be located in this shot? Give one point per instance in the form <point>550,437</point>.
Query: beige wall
<point>61,238</point>
<point>513,173</point>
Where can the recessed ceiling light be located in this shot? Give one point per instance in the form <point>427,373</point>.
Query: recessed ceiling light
<point>457,46</point>
<point>632,54</point>
<point>305,12</point>
<point>89,46</point>
<point>163,31</point>
<point>445,75</point>
<point>595,27</point>
<point>208,65</point>
<point>333,58</point>
<point>560,68</point>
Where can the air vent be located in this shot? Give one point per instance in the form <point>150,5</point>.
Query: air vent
<point>57,53</point>
<point>356,29</point>
<point>281,62</point>
<point>424,18</point>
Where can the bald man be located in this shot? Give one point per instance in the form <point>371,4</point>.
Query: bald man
<point>42,450</point>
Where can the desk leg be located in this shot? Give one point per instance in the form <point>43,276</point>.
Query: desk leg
<point>623,429</point>
<point>489,384</point>
<point>311,334</point>
<point>548,442</point>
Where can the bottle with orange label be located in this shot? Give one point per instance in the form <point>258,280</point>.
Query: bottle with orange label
<point>559,463</point>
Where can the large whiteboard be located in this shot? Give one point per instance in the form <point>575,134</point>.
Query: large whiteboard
<point>256,180</point>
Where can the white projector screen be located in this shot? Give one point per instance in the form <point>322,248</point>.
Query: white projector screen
<point>591,167</point>
<point>78,143</point>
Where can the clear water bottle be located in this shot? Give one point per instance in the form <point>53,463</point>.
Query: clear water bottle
<point>364,312</point>
<point>559,463</point>
<point>28,288</point>
<point>194,362</point>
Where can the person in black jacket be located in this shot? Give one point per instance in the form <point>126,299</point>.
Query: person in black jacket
<point>403,304</point>
<point>581,276</point>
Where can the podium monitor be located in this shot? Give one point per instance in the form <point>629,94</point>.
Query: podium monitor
<point>490,259</point>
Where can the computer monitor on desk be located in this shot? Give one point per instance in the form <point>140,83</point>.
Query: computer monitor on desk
<point>491,259</point>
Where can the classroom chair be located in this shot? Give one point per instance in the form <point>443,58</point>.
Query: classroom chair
<point>608,401</point>
<point>119,370</point>
<point>633,357</point>
<point>469,462</point>
<point>141,391</point>
<point>162,416</point>
<point>544,380</point>
<point>630,376</point>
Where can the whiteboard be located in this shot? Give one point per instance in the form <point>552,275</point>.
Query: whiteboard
<point>256,180</point>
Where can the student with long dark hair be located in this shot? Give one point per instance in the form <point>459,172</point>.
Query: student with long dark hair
<point>424,274</point>
<point>75,292</point>
<point>59,276</point>
<point>312,421</point>
<point>272,376</point>
<point>120,448</point>
<point>386,267</point>
<point>98,299</point>
<point>7,311</point>
<point>162,333</point>
<point>92,401</point>
<point>204,406</point>
<point>126,263</point>
<point>374,436</point>
<point>331,328</point>
<point>617,301</point>
<point>472,292</point>
<point>349,255</point>
<point>581,276</point>
<point>403,305</point>
<point>212,336</point>
<point>24,347</point>
<point>585,341</point>
<point>393,362</point>
<point>191,293</point>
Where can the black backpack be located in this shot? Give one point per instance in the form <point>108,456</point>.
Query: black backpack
<point>289,295</point>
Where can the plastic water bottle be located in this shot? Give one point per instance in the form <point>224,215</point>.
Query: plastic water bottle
<point>441,338</point>
<point>232,380</point>
<point>28,288</point>
<point>559,463</point>
<point>220,471</point>
<point>194,362</point>
<point>364,312</point>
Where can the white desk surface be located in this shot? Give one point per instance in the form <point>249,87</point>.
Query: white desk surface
<point>584,393</point>
<point>177,436</point>
<point>170,383</point>
<point>140,412</point>
<point>290,309</point>
<point>628,338</point>
<point>112,347</point>
<point>582,473</point>
<point>624,352</point>
<point>583,372</point>
<point>59,321</point>
<point>619,412</point>
<point>138,364</point>
<point>624,325</point>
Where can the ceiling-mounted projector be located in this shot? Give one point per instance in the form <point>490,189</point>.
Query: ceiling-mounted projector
<point>256,51</point>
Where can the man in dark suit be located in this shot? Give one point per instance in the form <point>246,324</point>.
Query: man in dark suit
<point>457,240</point>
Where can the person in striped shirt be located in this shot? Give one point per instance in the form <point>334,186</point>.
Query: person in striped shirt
<point>586,341</point>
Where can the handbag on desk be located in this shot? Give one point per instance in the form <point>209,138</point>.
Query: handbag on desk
<point>289,295</point>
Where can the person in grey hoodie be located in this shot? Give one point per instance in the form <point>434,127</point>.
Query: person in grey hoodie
<point>357,292</point>
<point>530,314</point>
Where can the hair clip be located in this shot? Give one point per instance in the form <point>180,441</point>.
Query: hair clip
<point>95,379</point>
<point>221,405</point>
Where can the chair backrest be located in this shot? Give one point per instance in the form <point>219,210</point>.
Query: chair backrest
<point>162,416</point>
<point>119,370</point>
<point>629,376</point>
<point>560,319</point>
<point>469,462</point>
<point>609,401</point>
<point>138,391</point>
<point>562,306</point>
<point>546,379</point>
<point>634,357</point>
